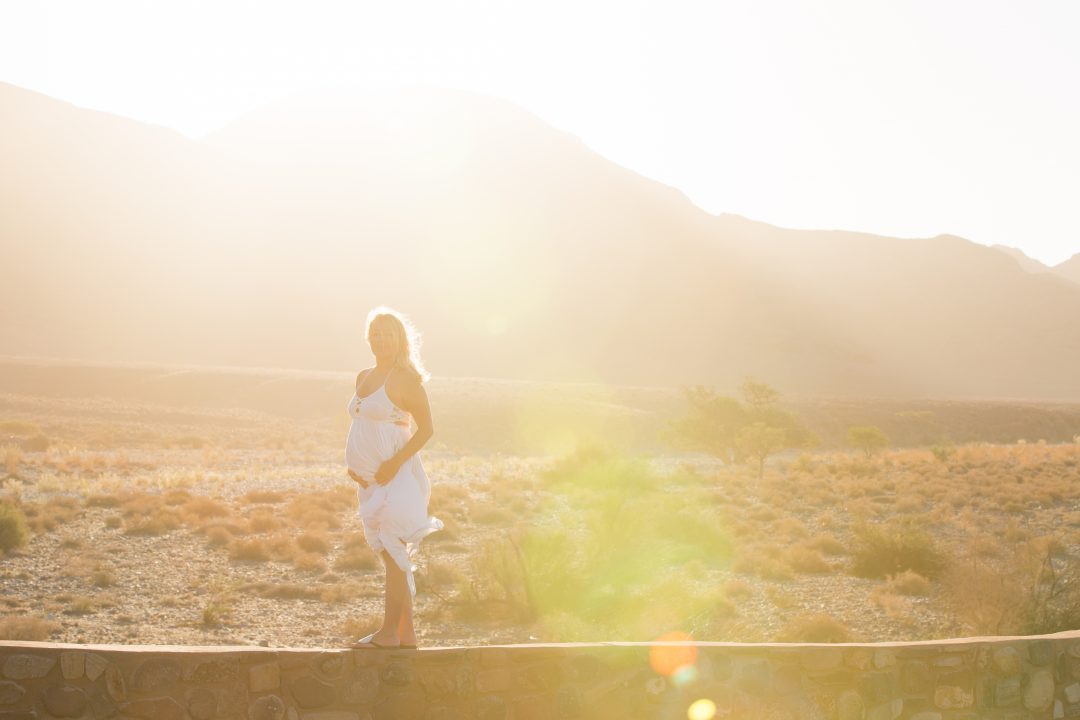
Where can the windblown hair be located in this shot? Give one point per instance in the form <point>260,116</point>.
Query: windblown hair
<point>408,340</point>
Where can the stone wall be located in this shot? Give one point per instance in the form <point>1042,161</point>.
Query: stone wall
<point>998,678</point>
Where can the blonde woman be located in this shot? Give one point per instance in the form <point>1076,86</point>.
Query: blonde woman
<point>382,457</point>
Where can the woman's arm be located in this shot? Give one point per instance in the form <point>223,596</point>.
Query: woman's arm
<point>356,478</point>
<point>415,402</point>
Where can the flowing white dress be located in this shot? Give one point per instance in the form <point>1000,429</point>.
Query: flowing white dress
<point>394,515</point>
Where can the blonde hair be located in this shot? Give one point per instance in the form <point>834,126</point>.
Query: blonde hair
<point>408,354</point>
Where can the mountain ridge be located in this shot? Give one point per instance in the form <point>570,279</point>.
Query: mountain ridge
<point>520,252</point>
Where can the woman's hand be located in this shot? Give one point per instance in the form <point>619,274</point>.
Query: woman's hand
<point>359,480</point>
<point>387,471</point>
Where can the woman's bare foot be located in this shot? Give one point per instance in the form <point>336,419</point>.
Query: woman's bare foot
<point>377,640</point>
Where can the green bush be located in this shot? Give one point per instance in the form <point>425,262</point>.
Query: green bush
<point>943,452</point>
<point>883,550</point>
<point>617,554</point>
<point>13,531</point>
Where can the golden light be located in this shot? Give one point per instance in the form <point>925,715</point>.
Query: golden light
<point>671,659</point>
<point>703,709</point>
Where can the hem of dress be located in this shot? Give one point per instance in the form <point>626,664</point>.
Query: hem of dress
<point>403,557</point>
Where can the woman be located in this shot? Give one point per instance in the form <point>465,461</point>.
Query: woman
<point>382,459</point>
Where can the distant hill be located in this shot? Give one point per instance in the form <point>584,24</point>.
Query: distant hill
<point>1027,263</point>
<point>1070,268</point>
<point>100,406</point>
<point>519,252</point>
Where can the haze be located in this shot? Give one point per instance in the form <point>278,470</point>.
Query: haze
<point>906,119</point>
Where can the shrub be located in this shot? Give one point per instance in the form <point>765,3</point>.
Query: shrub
<point>56,512</point>
<point>806,561</point>
<point>773,570</point>
<point>177,497</point>
<point>13,530</point>
<point>342,593</point>
<point>81,605</point>
<point>909,583</point>
<point>827,544</point>
<point>214,614</point>
<point>868,438</point>
<point>161,522</point>
<point>103,578</point>
<point>102,501</point>
<point>218,536</point>
<point>281,547</point>
<point>309,562</point>
<point>12,458</point>
<point>819,628</point>
<point>204,508</point>
<point>942,453</point>
<point>249,550</point>
<point>314,542</point>
<point>263,521</point>
<point>738,589</point>
<point>356,558</point>
<point>253,497</point>
<point>34,629</point>
<point>1035,590</point>
<point>893,548</point>
<point>283,591</point>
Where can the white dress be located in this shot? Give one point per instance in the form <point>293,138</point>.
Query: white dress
<point>394,515</point>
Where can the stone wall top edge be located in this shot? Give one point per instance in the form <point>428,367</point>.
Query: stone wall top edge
<point>257,649</point>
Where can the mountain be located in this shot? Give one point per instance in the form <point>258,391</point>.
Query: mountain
<point>519,252</point>
<point>1029,264</point>
<point>1069,269</point>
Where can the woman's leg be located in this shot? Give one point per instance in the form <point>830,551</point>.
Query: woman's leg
<point>406,632</point>
<point>398,605</point>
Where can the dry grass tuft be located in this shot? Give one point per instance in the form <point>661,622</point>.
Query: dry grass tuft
<point>203,508</point>
<point>314,542</point>
<point>24,627</point>
<point>218,536</point>
<point>159,523</point>
<point>357,558</point>
<point>14,532</point>
<point>249,551</point>
<point>283,591</point>
<point>909,583</point>
<point>262,520</point>
<point>271,497</point>
<point>807,562</point>
<point>309,562</point>
<point>815,628</point>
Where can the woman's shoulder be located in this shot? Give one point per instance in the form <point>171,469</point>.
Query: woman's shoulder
<point>407,377</point>
<point>361,375</point>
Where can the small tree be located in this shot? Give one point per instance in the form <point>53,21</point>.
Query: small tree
<point>758,441</point>
<point>757,395</point>
<point>711,425</point>
<point>731,430</point>
<point>868,438</point>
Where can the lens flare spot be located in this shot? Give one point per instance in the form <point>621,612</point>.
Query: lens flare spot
<point>669,659</point>
<point>684,675</point>
<point>702,709</point>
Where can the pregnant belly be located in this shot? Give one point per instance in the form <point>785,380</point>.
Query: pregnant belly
<point>370,444</point>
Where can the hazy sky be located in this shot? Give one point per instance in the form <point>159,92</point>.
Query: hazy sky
<point>905,118</point>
